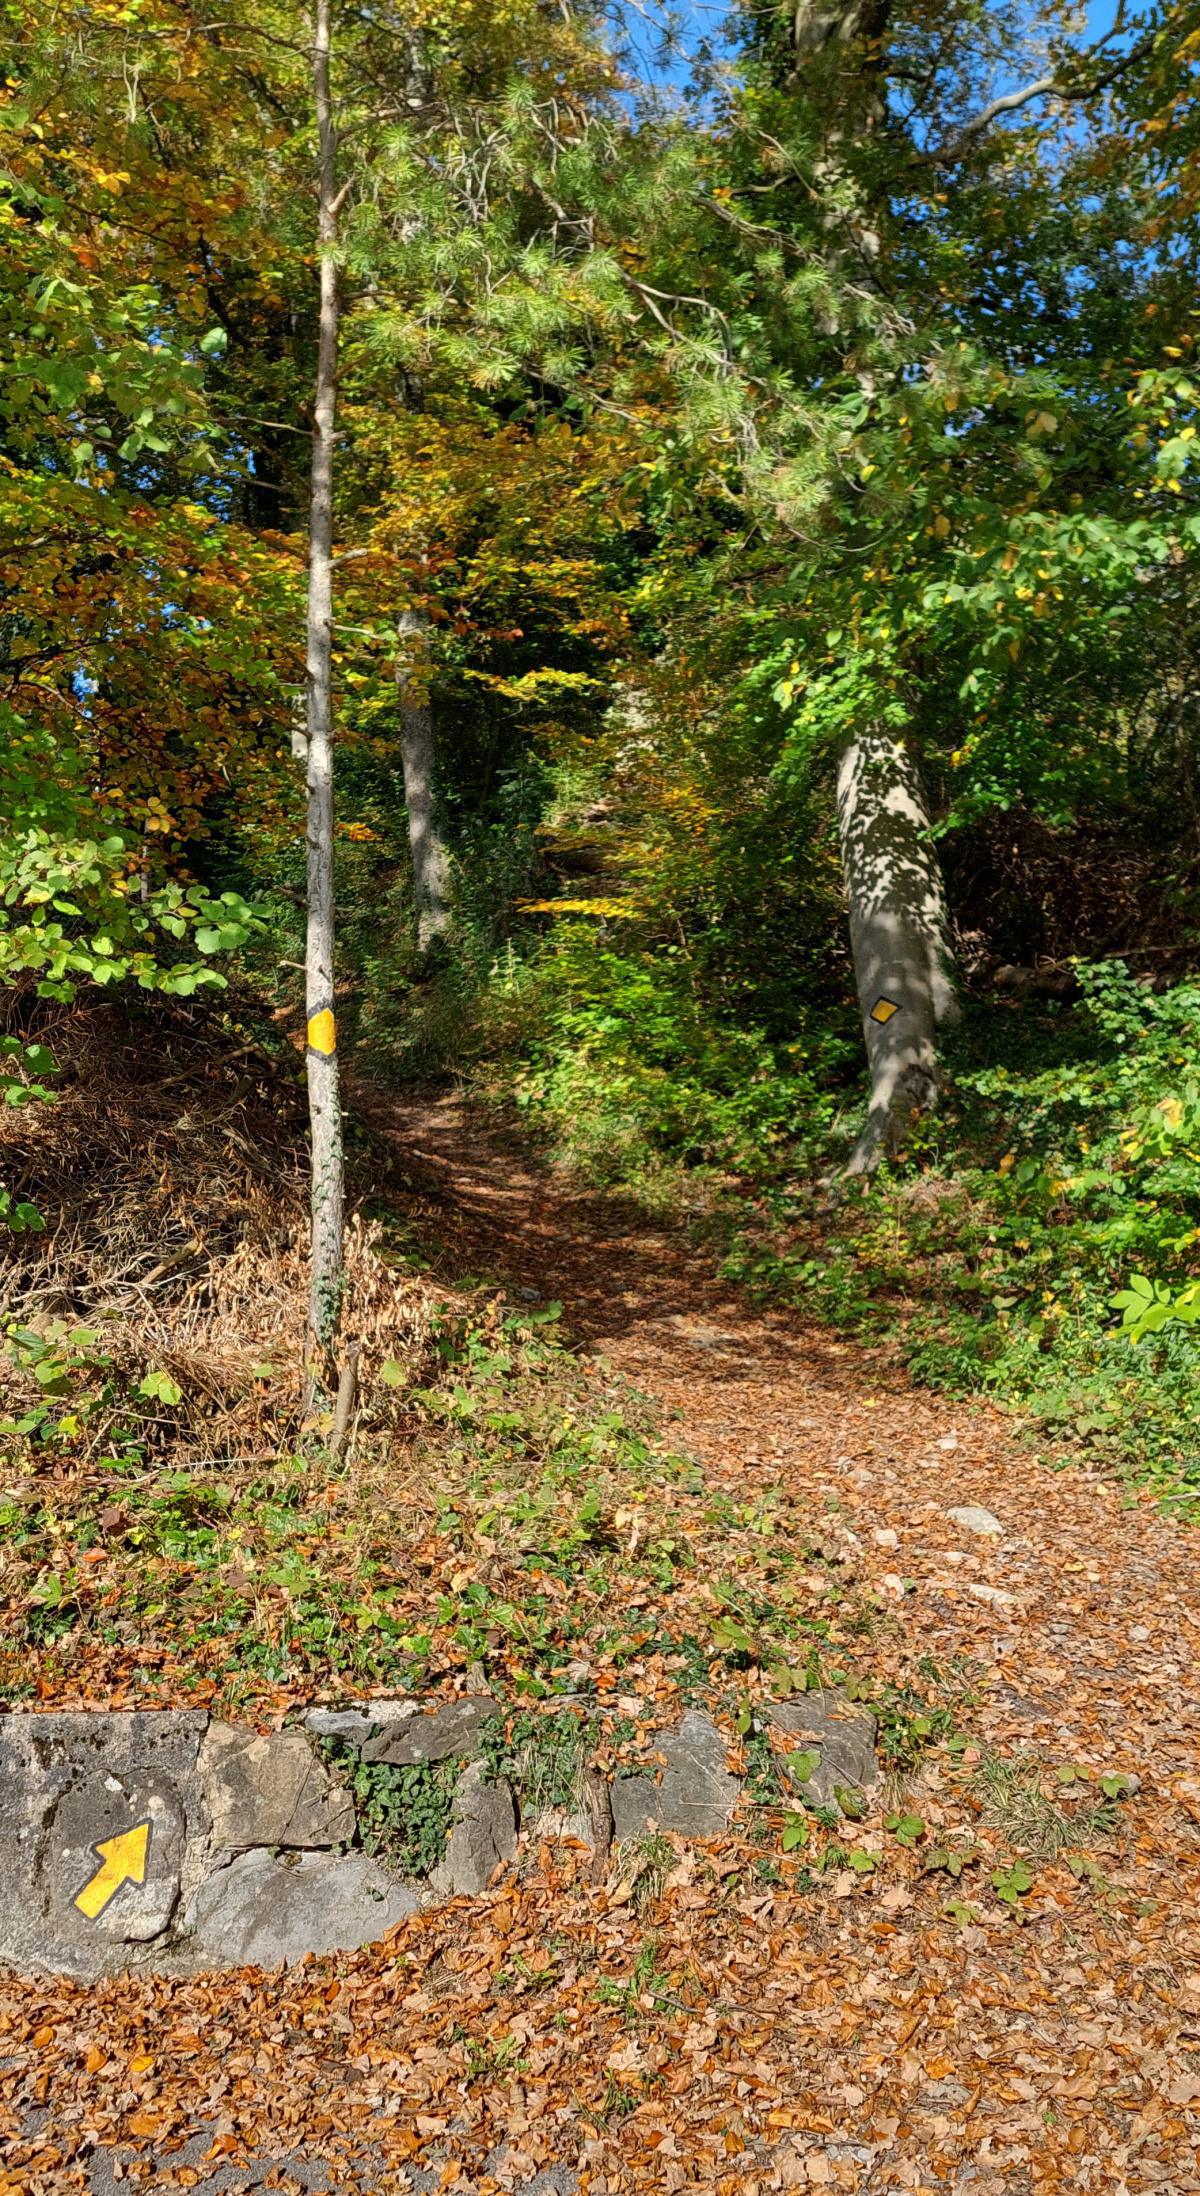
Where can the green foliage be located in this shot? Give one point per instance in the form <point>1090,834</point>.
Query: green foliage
<point>803,1765</point>
<point>69,914</point>
<point>862,1862</point>
<point>160,1387</point>
<point>999,1258</point>
<point>619,1062</point>
<point>81,1384</point>
<point>18,1215</point>
<point>1149,1306</point>
<point>71,911</point>
<point>648,1993</point>
<point>1046,1816</point>
<point>490,2058</point>
<point>403,1812</point>
<point>1011,1884</point>
<point>542,1755</point>
<point>907,1829</point>
<point>950,1859</point>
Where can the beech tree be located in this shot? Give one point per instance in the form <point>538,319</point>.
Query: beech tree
<point>898,934</point>
<point>871,404</point>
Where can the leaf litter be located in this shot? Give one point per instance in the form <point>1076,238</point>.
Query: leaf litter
<point>946,1993</point>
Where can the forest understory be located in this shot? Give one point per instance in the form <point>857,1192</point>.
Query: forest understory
<point>599,1093</point>
<point>588,1468</point>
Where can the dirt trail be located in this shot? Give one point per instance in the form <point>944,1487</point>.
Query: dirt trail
<point>1085,1612</point>
<point>898,2032</point>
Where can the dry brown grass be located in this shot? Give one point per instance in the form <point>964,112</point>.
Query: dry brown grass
<point>169,1171</point>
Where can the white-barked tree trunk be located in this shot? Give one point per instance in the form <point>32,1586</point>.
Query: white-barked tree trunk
<point>898,934</point>
<point>324,1101</point>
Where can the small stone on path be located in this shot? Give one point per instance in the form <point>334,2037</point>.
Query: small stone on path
<point>995,1595</point>
<point>843,1734</point>
<point>973,1518</point>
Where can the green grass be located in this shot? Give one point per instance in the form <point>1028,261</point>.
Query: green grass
<point>544,1755</point>
<point>1044,1812</point>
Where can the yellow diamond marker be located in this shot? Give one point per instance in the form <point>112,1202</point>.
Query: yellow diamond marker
<point>122,1860</point>
<point>883,1010</point>
<point>322,1035</point>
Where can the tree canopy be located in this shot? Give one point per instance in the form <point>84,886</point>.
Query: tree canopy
<point>829,381</point>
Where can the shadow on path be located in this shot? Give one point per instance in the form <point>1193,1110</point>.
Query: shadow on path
<point>1080,1614</point>
<point>492,1209</point>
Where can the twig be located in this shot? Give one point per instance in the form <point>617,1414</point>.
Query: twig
<point>600,1811</point>
<point>343,1409</point>
<point>1046,87</point>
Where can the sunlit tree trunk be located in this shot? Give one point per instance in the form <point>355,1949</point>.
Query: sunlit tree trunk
<point>898,935</point>
<point>324,1103</point>
<point>430,859</point>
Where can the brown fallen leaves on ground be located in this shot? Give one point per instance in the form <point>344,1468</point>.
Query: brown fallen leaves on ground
<point>866,2027</point>
<point>781,2042</point>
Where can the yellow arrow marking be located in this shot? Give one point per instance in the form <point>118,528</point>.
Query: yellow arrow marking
<point>883,1010</point>
<point>322,1035</point>
<point>122,1860</point>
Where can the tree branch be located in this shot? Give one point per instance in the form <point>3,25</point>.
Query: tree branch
<point>1045,87</point>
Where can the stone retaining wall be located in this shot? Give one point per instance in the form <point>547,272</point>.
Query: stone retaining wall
<point>173,1841</point>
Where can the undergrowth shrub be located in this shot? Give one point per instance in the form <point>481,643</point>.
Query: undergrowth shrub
<point>615,1056</point>
<point>1061,1171</point>
<point>404,1812</point>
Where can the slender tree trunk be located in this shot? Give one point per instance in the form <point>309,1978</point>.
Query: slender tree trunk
<point>898,936</point>
<point>324,1104</point>
<point>430,859</point>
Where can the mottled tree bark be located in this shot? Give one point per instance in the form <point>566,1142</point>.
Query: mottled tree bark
<point>819,24</point>
<point>898,934</point>
<point>324,1101</point>
<point>430,859</point>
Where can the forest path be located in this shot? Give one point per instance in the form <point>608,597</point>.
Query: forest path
<point>1081,1616</point>
<point>902,2032</point>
